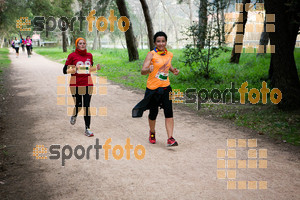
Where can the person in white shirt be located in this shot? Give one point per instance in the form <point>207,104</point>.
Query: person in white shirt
<point>17,45</point>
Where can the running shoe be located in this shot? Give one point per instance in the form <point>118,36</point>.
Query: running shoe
<point>88,132</point>
<point>152,139</point>
<point>171,142</point>
<point>73,120</point>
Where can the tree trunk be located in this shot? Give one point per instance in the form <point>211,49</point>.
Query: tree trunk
<point>174,24</point>
<point>99,39</point>
<point>149,23</point>
<point>47,33</point>
<point>95,41</point>
<point>142,39</point>
<point>86,31</point>
<point>130,39</point>
<point>235,57</point>
<point>64,41</point>
<point>20,34</point>
<point>223,6</point>
<point>191,12</point>
<point>202,15</point>
<point>217,4</point>
<point>142,42</point>
<point>283,72</point>
<point>2,41</point>
<point>264,39</point>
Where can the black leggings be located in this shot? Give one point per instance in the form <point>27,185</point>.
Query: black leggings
<point>163,101</point>
<point>86,104</point>
<point>28,49</point>
<point>17,49</point>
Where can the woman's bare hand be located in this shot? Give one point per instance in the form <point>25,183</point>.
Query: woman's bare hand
<point>175,71</point>
<point>71,69</point>
<point>98,67</point>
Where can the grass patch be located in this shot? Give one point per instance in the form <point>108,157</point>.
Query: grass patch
<point>266,119</point>
<point>4,60</point>
<point>4,63</point>
<point>273,122</point>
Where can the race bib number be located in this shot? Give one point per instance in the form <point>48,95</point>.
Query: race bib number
<point>83,69</point>
<point>162,76</point>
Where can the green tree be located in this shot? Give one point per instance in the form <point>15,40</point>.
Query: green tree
<point>148,23</point>
<point>283,72</point>
<point>64,11</point>
<point>199,58</point>
<point>202,24</point>
<point>129,35</point>
<point>10,11</point>
<point>101,10</point>
<point>235,54</point>
<point>43,8</point>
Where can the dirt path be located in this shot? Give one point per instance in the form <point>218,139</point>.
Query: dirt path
<point>189,171</point>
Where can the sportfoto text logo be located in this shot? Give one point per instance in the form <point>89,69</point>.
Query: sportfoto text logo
<point>216,96</point>
<point>66,152</point>
<point>50,24</point>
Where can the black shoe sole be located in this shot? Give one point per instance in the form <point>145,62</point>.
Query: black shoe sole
<point>173,145</point>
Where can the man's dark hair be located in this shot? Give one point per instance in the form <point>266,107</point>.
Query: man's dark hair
<point>158,34</point>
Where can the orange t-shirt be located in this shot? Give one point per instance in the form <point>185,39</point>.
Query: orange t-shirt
<point>159,77</point>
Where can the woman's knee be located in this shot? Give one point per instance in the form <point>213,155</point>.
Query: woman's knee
<point>153,114</point>
<point>168,112</point>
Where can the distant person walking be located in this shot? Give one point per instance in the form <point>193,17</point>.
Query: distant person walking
<point>28,44</point>
<point>22,42</point>
<point>12,43</point>
<point>16,46</point>
<point>31,46</point>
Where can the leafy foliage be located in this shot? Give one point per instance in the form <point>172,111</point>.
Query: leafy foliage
<point>199,59</point>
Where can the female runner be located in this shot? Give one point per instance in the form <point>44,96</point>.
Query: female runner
<point>80,83</point>
<point>158,64</point>
<point>17,45</point>
<point>28,44</point>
